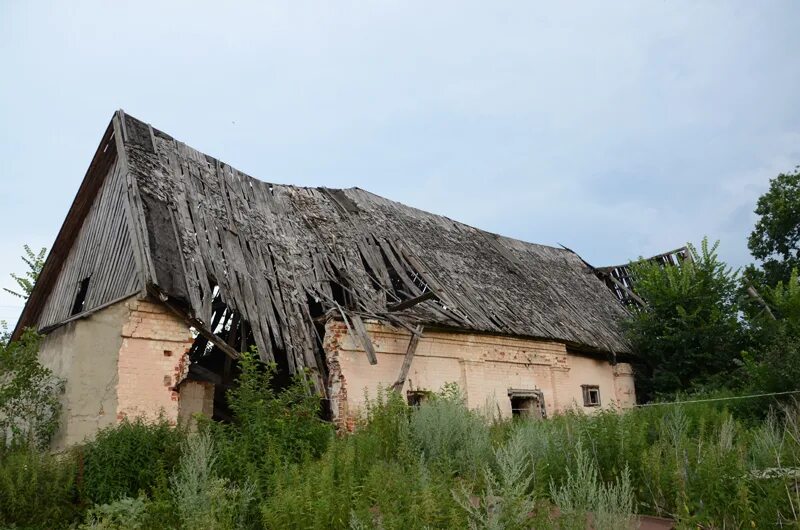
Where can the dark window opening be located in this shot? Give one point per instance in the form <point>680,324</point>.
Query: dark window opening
<point>339,294</point>
<point>591,395</point>
<point>213,364</point>
<point>317,313</point>
<point>527,404</point>
<point>418,397</point>
<point>80,297</point>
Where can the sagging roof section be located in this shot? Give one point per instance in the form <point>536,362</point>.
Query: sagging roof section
<point>283,257</point>
<point>270,247</point>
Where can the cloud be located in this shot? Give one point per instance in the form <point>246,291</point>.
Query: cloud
<point>617,129</point>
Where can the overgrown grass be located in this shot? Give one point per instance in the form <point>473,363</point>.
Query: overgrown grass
<point>436,466</point>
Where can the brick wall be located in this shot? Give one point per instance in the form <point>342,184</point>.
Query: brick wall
<point>153,359</point>
<point>484,366</point>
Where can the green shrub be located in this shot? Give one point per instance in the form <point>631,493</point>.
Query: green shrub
<point>374,477</point>
<point>37,489</point>
<point>384,428</point>
<point>317,494</point>
<point>130,458</point>
<point>124,514</point>
<point>343,489</point>
<point>271,429</point>
<point>689,333</point>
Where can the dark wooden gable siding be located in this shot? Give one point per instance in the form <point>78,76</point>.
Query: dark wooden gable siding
<point>101,257</point>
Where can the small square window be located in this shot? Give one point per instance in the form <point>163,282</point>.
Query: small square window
<point>418,397</point>
<point>591,395</point>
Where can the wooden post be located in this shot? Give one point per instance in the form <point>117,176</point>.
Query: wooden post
<point>412,348</point>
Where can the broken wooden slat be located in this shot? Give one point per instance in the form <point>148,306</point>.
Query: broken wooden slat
<point>362,333</point>
<point>751,291</point>
<point>405,304</point>
<point>624,288</point>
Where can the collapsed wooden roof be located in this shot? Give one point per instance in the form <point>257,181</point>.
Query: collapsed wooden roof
<point>620,280</point>
<point>278,255</point>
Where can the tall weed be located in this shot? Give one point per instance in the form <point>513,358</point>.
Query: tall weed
<point>583,497</point>
<point>506,502</point>
<point>450,436</point>
<point>204,500</point>
<point>375,477</point>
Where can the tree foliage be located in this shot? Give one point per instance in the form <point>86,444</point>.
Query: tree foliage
<point>35,262</point>
<point>29,394</point>
<point>689,332</point>
<point>775,239</point>
<point>774,362</point>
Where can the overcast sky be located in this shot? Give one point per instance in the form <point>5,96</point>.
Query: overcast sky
<point>616,128</point>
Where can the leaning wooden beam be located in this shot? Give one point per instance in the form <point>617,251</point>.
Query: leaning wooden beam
<point>361,331</point>
<point>412,348</point>
<point>195,323</point>
<point>405,304</point>
<point>757,297</point>
<point>626,290</point>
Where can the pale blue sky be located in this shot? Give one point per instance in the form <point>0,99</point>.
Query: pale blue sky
<point>615,128</point>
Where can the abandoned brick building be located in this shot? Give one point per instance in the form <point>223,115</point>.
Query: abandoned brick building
<point>171,262</point>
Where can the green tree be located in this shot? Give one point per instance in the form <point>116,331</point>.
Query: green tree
<point>29,394</point>
<point>689,334</point>
<point>35,263</point>
<point>774,362</point>
<point>776,237</point>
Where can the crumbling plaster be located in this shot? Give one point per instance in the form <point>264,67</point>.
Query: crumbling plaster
<point>84,353</point>
<point>484,366</point>
<point>126,360</point>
